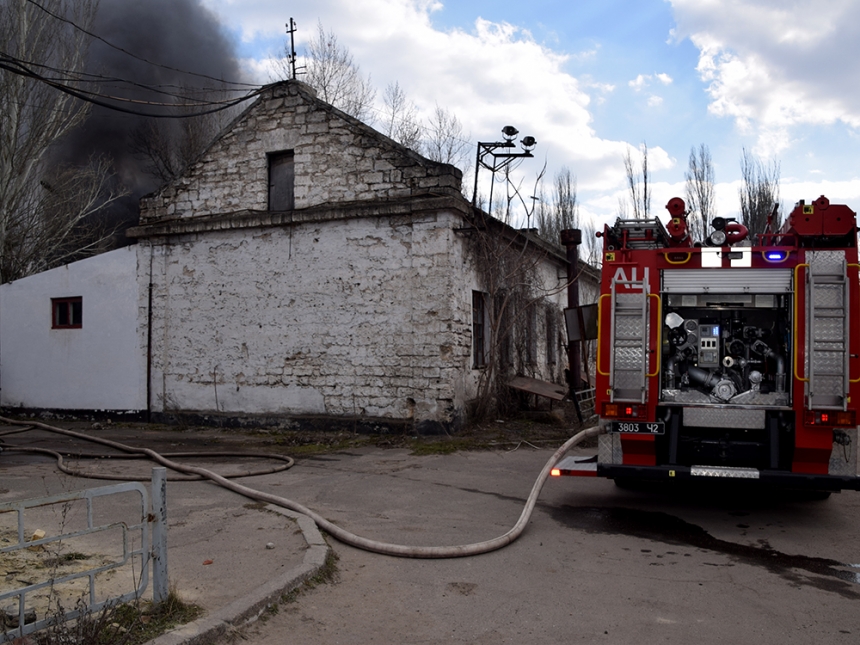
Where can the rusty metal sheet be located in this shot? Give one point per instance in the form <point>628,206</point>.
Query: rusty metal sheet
<point>541,388</point>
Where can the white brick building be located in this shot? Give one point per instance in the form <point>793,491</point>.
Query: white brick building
<point>308,268</point>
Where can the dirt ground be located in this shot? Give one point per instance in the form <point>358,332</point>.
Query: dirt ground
<point>531,429</point>
<point>540,428</point>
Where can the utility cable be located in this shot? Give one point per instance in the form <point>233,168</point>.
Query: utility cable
<point>16,67</point>
<point>69,76</point>
<point>341,534</point>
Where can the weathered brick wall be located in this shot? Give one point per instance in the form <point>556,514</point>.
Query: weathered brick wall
<point>353,317</point>
<point>355,304</point>
<point>337,159</point>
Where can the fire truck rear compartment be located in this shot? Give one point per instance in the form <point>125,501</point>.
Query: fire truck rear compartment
<point>730,358</point>
<point>724,380</point>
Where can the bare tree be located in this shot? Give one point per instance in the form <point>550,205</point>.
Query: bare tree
<point>543,213</point>
<point>592,247</point>
<point>168,146</point>
<point>638,180</point>
<point>759,194</point>
<point>445,140</point>
<point>331,71</point>
<point>401,121</point>
<point>508,264</point>
<point>516,293</point>
<point>45,211</point>
<point>563,213</point>
<point>64,221</point>
<point>507,211</point>
<point>701,206</point>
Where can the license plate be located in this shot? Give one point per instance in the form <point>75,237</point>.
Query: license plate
<point>641,427</point>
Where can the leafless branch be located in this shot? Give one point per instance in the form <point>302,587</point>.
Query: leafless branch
<point>332,72</point>
<point>48,215</point>
<point>760,191</point>
<point>401,121</point>
<point>701,205</point>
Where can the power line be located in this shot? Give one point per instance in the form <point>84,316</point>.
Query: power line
<point>88,78</point>
<point>91,78</point>
<point>16,67</point>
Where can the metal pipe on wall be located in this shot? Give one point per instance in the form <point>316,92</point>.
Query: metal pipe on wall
<point>571,238</point>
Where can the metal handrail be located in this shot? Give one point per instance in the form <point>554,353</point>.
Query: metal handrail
<point>794,325</point>
<point>600,333</point>
<point>659,330</point>
<point>684,261</point>
<point>848,313</point>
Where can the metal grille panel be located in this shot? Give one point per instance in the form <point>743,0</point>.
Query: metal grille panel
<point>727,281</point>
<point>629,328</point>
<point>829,386</point>
<point>720,471</point>
<point>829,330</point>
<point>826,262</point>
<point>628,299</point>
<point>628,357</point>
<point>724,418</point>
<point>826,359</point>
<point>827,363</point>
<point>627,380</point>
<point>745,398</point>
<point>629,336</point>
<point>827,295</point>
<point>609,449</point>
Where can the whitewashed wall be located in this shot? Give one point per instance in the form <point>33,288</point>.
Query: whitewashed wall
<point>351,317</point>
<point>102,365</point>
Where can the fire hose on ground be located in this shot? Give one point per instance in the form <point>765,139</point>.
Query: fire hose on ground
<point>335,531</point>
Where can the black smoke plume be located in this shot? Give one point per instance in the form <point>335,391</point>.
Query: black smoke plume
<point>181,34</point>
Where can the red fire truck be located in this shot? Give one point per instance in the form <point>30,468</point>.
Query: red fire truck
<point>730,358</point>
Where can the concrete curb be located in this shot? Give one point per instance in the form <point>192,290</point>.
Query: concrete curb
<point>249,608</point>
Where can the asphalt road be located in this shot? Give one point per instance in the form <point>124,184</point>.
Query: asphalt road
<point>597,564</point>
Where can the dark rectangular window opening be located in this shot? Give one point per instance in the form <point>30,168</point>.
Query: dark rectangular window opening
<point>282,181</point>
<point>479,329</point>
<point>67,313</point>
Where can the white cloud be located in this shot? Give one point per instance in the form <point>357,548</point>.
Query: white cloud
<point>601,90</point>
<point>643,81</point>
<point>489,76</point>
<point>640,82</point>
<point>772,65</point>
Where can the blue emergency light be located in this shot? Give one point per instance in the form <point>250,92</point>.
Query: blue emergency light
<point>775,256</point>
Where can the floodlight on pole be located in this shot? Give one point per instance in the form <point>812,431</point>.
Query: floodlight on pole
<point>499,160</point>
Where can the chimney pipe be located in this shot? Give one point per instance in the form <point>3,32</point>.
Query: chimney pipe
<point>571,238</point>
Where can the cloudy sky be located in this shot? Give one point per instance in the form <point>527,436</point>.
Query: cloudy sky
<point>589,78</point>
